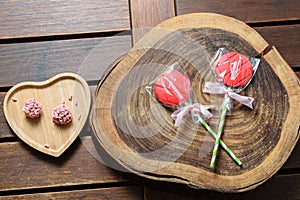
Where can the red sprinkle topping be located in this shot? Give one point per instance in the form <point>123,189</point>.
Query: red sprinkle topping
<point>32,108</point>
<point>61,114</point>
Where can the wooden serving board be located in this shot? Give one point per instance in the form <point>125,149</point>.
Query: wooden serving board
<point>41,133</point>
<point>139,133</point>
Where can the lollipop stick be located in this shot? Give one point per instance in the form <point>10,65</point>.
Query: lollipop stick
<point>220,129</point>
<point>214,135</point>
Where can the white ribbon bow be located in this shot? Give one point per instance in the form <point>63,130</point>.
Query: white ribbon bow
<point>196,107</point>
<point>216,88</point>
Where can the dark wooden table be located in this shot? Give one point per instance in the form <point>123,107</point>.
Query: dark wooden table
<point>39,39</point>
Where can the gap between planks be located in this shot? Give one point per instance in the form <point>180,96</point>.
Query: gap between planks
<point>44,38</point>
<point>68,188</point>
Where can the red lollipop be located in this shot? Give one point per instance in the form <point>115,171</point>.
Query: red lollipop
<point>234,69</point>
<point>172,88</point>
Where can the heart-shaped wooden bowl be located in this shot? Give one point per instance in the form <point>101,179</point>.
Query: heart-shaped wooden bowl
<point>41,133</point>
<point>140,135</point>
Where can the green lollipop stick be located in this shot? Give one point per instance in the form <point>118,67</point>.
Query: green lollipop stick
<point>195,110</point>
<point>220,129</point>
<point>214,135</point>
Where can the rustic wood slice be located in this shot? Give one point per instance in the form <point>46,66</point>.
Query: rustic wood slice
<point>41,133</point>
<point>139,133</point>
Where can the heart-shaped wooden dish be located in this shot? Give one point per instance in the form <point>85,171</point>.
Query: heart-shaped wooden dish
<point>41,133</point>
<point>139,133</point>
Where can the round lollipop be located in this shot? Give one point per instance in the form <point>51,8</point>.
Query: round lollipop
<point>235,71</point>
<point>172,88</point>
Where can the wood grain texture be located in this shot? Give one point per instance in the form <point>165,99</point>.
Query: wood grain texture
<point>278,187</point>
<point>263,153</point>
<point>113,193</point>
<point>286,39</point>
<point>43,18</point>
<point>39,61</point>
<point>147,14</point>
<point>25,168</point>
<point>248,11</point>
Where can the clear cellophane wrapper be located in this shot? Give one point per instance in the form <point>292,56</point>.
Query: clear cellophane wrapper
<point>233,72</point>
<point>173,89</point>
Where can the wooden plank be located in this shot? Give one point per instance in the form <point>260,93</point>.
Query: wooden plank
<point>41,60</point>
<point>39,18</point>
<point>248,11</point>
<point>293,161</point>
<point>286,39</point>
<point>147,14</point>
<point>278,187</point>
<point>124,193</point>
<point>23,167</point>
<point>5,131</point>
